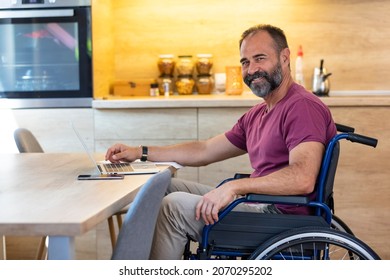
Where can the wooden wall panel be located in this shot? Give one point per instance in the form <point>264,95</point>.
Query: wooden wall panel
<point>352,36</point>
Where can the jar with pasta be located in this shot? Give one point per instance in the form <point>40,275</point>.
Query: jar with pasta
<point>185,65</point>
<point>204,84</point>
<point>166,64</point>
<point>204,63</point>
<point>185,84</point>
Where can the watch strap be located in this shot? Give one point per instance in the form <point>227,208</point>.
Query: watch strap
<point>144,156</point>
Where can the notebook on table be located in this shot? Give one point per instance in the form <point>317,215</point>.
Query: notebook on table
<point>125,168</point>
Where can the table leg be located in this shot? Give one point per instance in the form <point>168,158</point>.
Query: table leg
<point>61,248</point>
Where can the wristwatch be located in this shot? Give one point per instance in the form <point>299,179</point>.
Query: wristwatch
<point>144,156</point>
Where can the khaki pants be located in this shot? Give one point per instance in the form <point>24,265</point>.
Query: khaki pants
<point>176,219</point>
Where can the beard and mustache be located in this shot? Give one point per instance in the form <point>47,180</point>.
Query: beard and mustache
<point>269,82</point>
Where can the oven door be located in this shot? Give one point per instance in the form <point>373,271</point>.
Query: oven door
<point>45,58</point>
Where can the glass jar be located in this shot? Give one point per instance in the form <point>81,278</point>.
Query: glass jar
<point>165,85</point>
<point>185,84</point>
<point>166,64</point>
<point>204,63</point>
<point>185,65</point>
<point>204,84</point>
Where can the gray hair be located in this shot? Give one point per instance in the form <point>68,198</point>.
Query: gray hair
<point>276,33</point>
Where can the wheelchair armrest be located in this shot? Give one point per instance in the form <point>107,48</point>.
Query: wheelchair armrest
<point>235,177</point>
<point>241,175</point>
<point>281,199</point>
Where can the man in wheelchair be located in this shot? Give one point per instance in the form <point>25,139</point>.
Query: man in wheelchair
<point>285,137</point>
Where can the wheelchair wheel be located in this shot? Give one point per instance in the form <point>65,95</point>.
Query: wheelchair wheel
<point>312,243</point>
<point>338,224</point>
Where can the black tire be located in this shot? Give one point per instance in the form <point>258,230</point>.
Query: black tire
<point>338,224</point>
<point>314,243</point>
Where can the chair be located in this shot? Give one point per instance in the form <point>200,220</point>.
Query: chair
<point>136,234</point>
<point>269,236</point>
<point>111,225</point>
<point>27,143</point>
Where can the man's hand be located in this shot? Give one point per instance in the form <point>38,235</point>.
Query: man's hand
<point>212,202</point>
<point>120,152</point>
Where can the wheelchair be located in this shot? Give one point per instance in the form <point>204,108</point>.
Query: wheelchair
<point>258,236</point>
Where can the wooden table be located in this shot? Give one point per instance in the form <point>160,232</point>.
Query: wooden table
<point>41,196</point>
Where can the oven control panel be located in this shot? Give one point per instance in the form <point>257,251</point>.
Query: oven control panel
<point>31,4</point>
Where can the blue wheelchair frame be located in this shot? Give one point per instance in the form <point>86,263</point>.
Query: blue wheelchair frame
<point>323,205</point>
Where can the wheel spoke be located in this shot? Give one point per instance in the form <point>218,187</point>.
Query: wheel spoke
<point>317,243</point>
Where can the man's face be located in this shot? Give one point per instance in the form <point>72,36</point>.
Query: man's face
<point>261,66</point>
<point>262,83</point>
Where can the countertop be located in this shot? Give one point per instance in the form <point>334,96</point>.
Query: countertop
<point>247,99</point>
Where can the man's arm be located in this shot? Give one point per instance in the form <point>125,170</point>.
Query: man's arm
<point>196,153</point>
<point>298,178</point>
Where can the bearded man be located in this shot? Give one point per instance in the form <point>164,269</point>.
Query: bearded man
<point>285,136</point>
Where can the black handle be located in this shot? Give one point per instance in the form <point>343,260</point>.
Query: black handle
<point>344,128</point>
<point>365,140</point>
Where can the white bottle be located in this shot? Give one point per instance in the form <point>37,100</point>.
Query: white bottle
<point>299,78</point>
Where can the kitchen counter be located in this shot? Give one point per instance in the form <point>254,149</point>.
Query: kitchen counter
<point>336,99</point>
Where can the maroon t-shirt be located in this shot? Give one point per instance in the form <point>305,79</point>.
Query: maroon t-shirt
<point>268,137</point>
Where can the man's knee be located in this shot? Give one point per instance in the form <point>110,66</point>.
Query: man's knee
<point>179,206</point>
<point>175,186</point>
<point>174,201</point>
<point>169,200</point>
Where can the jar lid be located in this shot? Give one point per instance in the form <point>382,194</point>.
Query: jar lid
<point>204,75</point>
<point>166,76</point>
<point>184,76</point>
<point>184,55</point>
<point>207,55</point>
<point>166,56</point>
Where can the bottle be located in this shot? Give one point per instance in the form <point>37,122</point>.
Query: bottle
<point>299,78</point>
<point>154,89</point>
<point>165,85</point>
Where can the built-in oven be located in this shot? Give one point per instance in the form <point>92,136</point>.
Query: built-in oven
<point>45,53</point>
